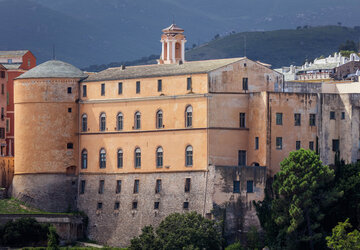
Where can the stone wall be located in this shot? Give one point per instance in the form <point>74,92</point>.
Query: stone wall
<point>211,195</point>
<point>70,228</point>
<point>49,192</point>
<point>6,171</point>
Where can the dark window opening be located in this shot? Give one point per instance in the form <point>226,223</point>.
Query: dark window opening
<point>70,146</point>
<point>137,158</point>
<point>84,91</point>
<point>82,186</point>
<point>156,205</point>
<point>2,88</point>
<point>312,120</point>
<point>256,143</point>
<point>242,158</point>
<point>236,188</point>
<point>298,145</point>
<point>311,145</point>
<point>186,205</point>
<point>120,158</point>
<point>69,90</point>
<point>187,185</point>
<point>159,85</point>
<point>69,110</point>
<point>99,205</point>
<point>101,186</point>
<point>159,157</point>
<point>118,187</point>
<point>335,145</point>
<point>189,156</point>
<point>332,115</point>
<point>188,116</point>
<point>279,143</point>
<point>158,186</point>
<point>103,89</point>
<point>242,120</point>
<point>102,158</point>
<point>137,87</point>
<point>84,159</point>
<point>297,119</point>
<point>120,88</point>
<point>245,83</point>
<point>117,205</point>
<point>136,186</point>
<point>189,84</point>
<point>342,115</point>
<point>279,118</point>
<point>250,186</point>
<point>134,205</point>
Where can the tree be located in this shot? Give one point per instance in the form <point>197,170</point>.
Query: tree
<point>234,246</point>
<point>348,46</point>
<point>300,196</point>
<point>53,239</point>
<point>23,232</point>
<point>342,240</point>
<point>180,231</point>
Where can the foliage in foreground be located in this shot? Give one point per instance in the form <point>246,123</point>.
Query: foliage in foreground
<point>180,231</point>
<point>294,208</point>
<point>341,240</point>
<point>23,232</point>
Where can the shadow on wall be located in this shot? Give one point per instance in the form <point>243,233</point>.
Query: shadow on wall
<point>6,171</point>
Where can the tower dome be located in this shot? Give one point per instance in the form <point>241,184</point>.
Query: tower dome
<point>46,131</point>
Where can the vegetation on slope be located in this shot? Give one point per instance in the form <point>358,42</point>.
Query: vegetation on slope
<point>13,206</point>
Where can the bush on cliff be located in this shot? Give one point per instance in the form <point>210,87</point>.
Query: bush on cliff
<point>180,231</point>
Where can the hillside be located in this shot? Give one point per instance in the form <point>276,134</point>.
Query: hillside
<point>278,48</point>
<point>89,32</point>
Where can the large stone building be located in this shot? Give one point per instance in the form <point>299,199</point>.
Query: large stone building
<point>130,145</point>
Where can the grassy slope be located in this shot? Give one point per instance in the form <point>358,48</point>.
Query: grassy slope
<point>279,47</point>
<point>13,206</point>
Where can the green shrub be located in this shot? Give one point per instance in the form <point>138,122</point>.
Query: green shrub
<point>234,246</point>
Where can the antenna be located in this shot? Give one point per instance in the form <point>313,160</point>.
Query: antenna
<point>54,55</point>
<point>244,45</point>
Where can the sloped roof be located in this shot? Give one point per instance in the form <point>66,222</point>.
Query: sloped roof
<point>53,69</point>
<point>156,70</point>
<point>11,65</point>
<point>173,27</point>
<point>12,53</point>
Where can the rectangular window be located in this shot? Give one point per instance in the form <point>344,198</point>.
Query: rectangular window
<point>99,205</point>
<point>82,186</point>
<point>242,158</point>
<point>236,188</point>
<point>134,205</point>
<point>297,119</point>
<point>137,87</point>
<point>70,145</point>
<point>335,145</point>
<point>2,74</point>
<point>120,88</point>
<point>245,83</point>
<point>117,205</point>
<point>8,125</point>
<point>156,205</point>
<point>69,110</point>
<point>2,113</point>
<point>118,187</point>
<point>158,186</point>
<point>189,84</point>
<point>279,143</point>
<point>332,115</point>
<point>69,90</point>
<point>101,186</point>
<point>84,91</point>
<point>187,185</point>
<point>186,205</point>
<point>311,145</point>
<point>242,120</point>
<point>159,85</point>
<point>256,143</point>
<point>136,186</point>
<point>312,120</point>
<point>342,115</point>
<point>2,89</point>
<point>279,118</point>
<point>298,145</point>
<point>250,186</point>
<point>103,89</point>
<point>2,133</point>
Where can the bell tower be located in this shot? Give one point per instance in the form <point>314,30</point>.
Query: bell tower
<point>173,45</point>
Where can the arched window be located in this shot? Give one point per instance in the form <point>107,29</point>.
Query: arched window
<point>84,123</point>
<point>120,158</point>
<point>188,116</point>
<point>189,156</point>
<point>120,121</point>
<point>137,158</point>
<point>137,120</point>
<point>84,158</point>
<point>102,122</point>
<point>159,157</point>
<point>159,119</point>
<point>102,158</point>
